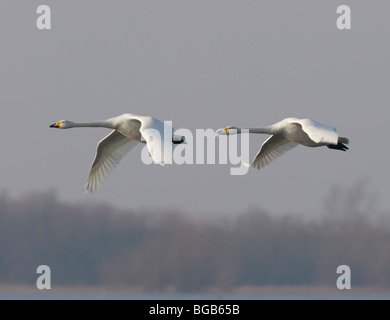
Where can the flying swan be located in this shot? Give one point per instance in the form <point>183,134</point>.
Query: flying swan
<point>128,131</point>
<point>287,134</point>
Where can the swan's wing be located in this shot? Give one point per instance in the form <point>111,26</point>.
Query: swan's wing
<point>271,149</point>
<point>158,138</point>
<point>318,132</point>
<point>109,153</point>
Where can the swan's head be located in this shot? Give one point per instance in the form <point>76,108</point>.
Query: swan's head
<point>63,124</point>
<point>228,130</point>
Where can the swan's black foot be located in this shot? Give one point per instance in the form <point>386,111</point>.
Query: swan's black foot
<point>339,146</point>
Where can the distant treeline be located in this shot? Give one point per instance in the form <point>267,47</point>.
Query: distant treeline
<point>101,245</point>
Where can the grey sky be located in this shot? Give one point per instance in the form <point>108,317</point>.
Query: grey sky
<point>201,64</point>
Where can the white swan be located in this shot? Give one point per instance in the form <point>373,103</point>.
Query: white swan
<point>129,129</point>
<point>287,134</point>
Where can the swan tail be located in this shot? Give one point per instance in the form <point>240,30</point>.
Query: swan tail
<point>343,140</point>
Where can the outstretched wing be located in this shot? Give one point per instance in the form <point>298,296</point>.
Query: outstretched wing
<point>158,138</point>
<point>271,149</point>
<point>109,153</point>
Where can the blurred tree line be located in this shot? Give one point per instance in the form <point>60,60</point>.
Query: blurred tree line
<point>99,245</point>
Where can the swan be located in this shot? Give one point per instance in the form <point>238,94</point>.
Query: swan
<point>128,130</point>
<point>287,134</point>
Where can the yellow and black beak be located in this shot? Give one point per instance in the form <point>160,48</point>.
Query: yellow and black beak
<point>55,125</point>
<point>223,131</point>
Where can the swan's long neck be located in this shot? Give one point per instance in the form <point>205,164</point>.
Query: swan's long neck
<point>102,124</point>
<point>267,130</point>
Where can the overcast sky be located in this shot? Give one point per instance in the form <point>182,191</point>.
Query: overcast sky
<point>200,64</point>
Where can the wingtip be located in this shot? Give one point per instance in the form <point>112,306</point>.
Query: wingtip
<point>87,189</point>
<point>248,165</point>
<point>257,165</point>
<point>90,188</point>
